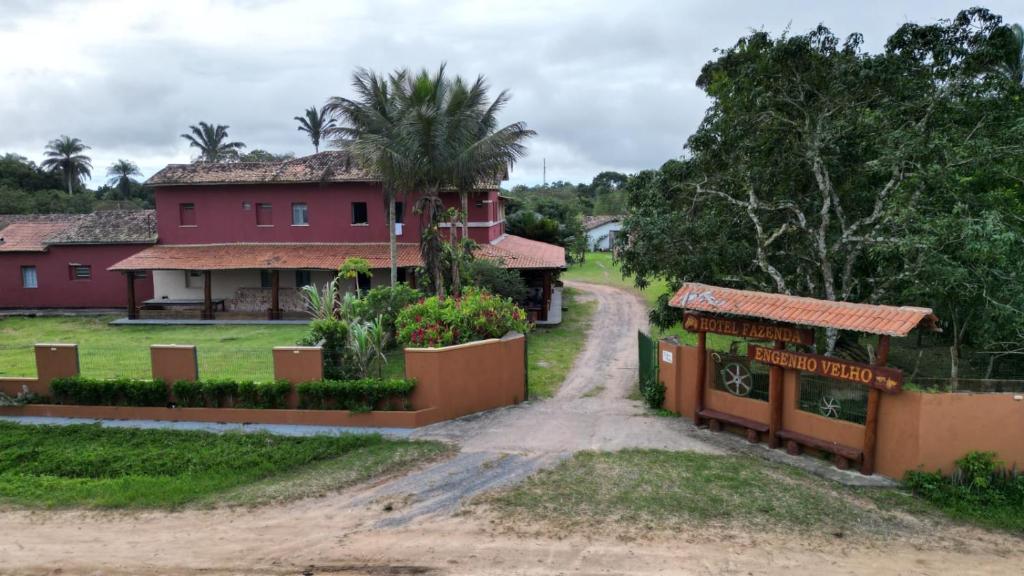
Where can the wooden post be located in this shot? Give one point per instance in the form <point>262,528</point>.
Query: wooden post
<point>775,400</point>
<point>702,370</point>
<point>867,465</point>
<point>543,315</point>
<point>132,308</point>
<point>207,295</point>
<point>275,294</point>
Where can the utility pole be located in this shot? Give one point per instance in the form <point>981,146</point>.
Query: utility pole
<point>545,160</point>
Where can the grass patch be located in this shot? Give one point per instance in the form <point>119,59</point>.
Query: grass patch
<point>241,352</point>
<point>552,350</point>
<point>653,488</point>
<point>91,466</point>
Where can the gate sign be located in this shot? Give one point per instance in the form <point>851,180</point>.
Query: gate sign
<point>881,377</point>
<point>747,329</point>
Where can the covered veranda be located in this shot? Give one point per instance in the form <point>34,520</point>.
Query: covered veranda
<point>240,282</point>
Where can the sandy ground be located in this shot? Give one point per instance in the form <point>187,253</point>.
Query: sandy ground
<point>418,524</point>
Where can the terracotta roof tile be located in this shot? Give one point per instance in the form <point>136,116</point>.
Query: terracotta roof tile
<point>512,251</point>
<point>591,222</point>
<point>34,232</point>
<point>868,318</point>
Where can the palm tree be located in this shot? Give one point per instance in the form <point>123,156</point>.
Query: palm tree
<point>64,155</point>
<point>488,151</point>
<point>1014,61</point>
<point>121,175</point>
<point>454,127</point>
<point>367,126</point>
<point>317,125</point>
<point>212,144</point>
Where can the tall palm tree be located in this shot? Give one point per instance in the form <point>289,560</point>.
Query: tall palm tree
<point>487,152</point>
<point>211,140</point>
<point>64,155</point>
<point>453,125</point>
<point>120,175</point>
<point>368,127</point>
<point>317,124</point>
<point>1014,60</point>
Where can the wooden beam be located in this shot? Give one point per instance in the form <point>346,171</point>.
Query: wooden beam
<point>275,294</point>
<point>132,307</point>
<point>546,297</point>
<point>207,295</point>
<point>867,465</point>
<point>775,400</point>
<point>702,370</point>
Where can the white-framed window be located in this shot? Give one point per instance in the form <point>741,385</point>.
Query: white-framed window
<point>29,278</point>
<point>300,214</point>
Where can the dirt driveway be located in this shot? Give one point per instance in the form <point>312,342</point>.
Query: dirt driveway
<point>416,524</point>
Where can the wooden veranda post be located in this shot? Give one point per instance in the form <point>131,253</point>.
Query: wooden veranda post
<point>132,308</point>
<point>275,295</point>
<point>207,295</point>
<point>702,371</point>
<point>546,296</point>
<point>867,465</point>
<point>775,400</point>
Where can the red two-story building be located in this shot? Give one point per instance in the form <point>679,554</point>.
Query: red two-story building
<point>238,240</point>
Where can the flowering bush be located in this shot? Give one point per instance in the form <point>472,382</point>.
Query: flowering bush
<point>476,315</point>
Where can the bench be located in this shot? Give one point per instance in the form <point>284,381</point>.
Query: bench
<point>844,455</point>
<point>715,419</point>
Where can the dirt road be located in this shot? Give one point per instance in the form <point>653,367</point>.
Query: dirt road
<point>415,524</point>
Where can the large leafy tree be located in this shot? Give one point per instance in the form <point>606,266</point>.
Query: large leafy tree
<point>212,142</point>
<point>317,124</point>
<point>817,165</point>
<point>65,155</point>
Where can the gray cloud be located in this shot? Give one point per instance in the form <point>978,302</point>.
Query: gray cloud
<point>608,85</point>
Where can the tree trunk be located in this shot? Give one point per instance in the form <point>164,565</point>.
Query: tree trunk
<point>453,238</point>
<point>392,238</point>
<point>464,199</point>
<point>68,177</point>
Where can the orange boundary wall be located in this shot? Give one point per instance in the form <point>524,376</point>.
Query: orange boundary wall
<point>450,382</point>
<point>916,431</point>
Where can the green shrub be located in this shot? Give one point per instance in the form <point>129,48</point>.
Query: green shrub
<point>981,489</point>
<point>653,392</point>
<point>504,282</point>
<point>387,302</point>
<point>115,392</point>
<point>263,395</point>
<point>477,315</point>
<point>332,336</point>
<point>189,394</point>
<point>355,395</point>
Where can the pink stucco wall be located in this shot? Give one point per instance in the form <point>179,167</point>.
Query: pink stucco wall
<point>57,289</point>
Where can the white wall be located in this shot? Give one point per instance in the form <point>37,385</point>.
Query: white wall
<point>171,283</point>
<point>597,239</point>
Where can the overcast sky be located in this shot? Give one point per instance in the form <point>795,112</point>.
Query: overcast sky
<point>607,85</point>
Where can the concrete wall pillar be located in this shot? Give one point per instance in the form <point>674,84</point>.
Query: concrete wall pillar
<point>56,361</point>
<point>298,364</point>
<point>172,363</point>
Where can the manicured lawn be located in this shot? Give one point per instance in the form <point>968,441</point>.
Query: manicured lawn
<point>666,490</point>
<point>90,466</point>
<point>552,351</point>
<point>241,352</point>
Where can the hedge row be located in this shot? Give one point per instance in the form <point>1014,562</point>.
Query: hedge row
<point>355,395</point>
<point>117,392</point>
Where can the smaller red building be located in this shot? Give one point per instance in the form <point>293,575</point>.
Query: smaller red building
<point>62,260</point>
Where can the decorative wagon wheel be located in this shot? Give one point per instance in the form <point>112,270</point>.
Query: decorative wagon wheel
<point>829,407</point>
<point>737,379</point>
